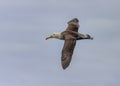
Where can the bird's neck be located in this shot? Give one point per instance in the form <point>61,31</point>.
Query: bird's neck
<point>60,36</point>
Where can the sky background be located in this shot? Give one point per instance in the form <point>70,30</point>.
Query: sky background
<point>27,59</point>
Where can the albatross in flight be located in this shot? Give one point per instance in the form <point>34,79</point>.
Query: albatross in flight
<point>70,35</point>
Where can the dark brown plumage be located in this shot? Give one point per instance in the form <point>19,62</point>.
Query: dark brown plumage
<point>67,52</point>
<point>73,25</point>
<point>70,42</point>
<point>70,35</point>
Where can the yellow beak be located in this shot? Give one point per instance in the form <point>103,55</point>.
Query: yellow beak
<point>49,37</point>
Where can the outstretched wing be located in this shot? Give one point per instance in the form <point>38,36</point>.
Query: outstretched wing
<point>73,25</point>
<point>67,52</point>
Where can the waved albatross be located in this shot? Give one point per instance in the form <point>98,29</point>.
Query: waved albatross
<point>70,35</point>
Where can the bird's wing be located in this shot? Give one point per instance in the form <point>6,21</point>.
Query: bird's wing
<point>67,52</point>
<point>73,25</point>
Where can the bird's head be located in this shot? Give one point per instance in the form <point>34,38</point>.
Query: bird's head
<point>55,35</point>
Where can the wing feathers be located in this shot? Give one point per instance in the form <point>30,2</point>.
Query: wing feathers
<point>67,52</point>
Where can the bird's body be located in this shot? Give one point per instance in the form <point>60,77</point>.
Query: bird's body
<point>70,35</point>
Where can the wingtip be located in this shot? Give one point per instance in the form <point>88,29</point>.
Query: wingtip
<point>64,68</point>
<point>91,38</point>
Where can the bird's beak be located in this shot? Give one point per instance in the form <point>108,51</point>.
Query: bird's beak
<point>49,37</point>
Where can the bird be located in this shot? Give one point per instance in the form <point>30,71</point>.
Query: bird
<point>70,36</point>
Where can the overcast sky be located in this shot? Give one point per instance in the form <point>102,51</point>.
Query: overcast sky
<point>27,59</point>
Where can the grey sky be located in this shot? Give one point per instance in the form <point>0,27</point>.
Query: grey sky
<point>27,59</point>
